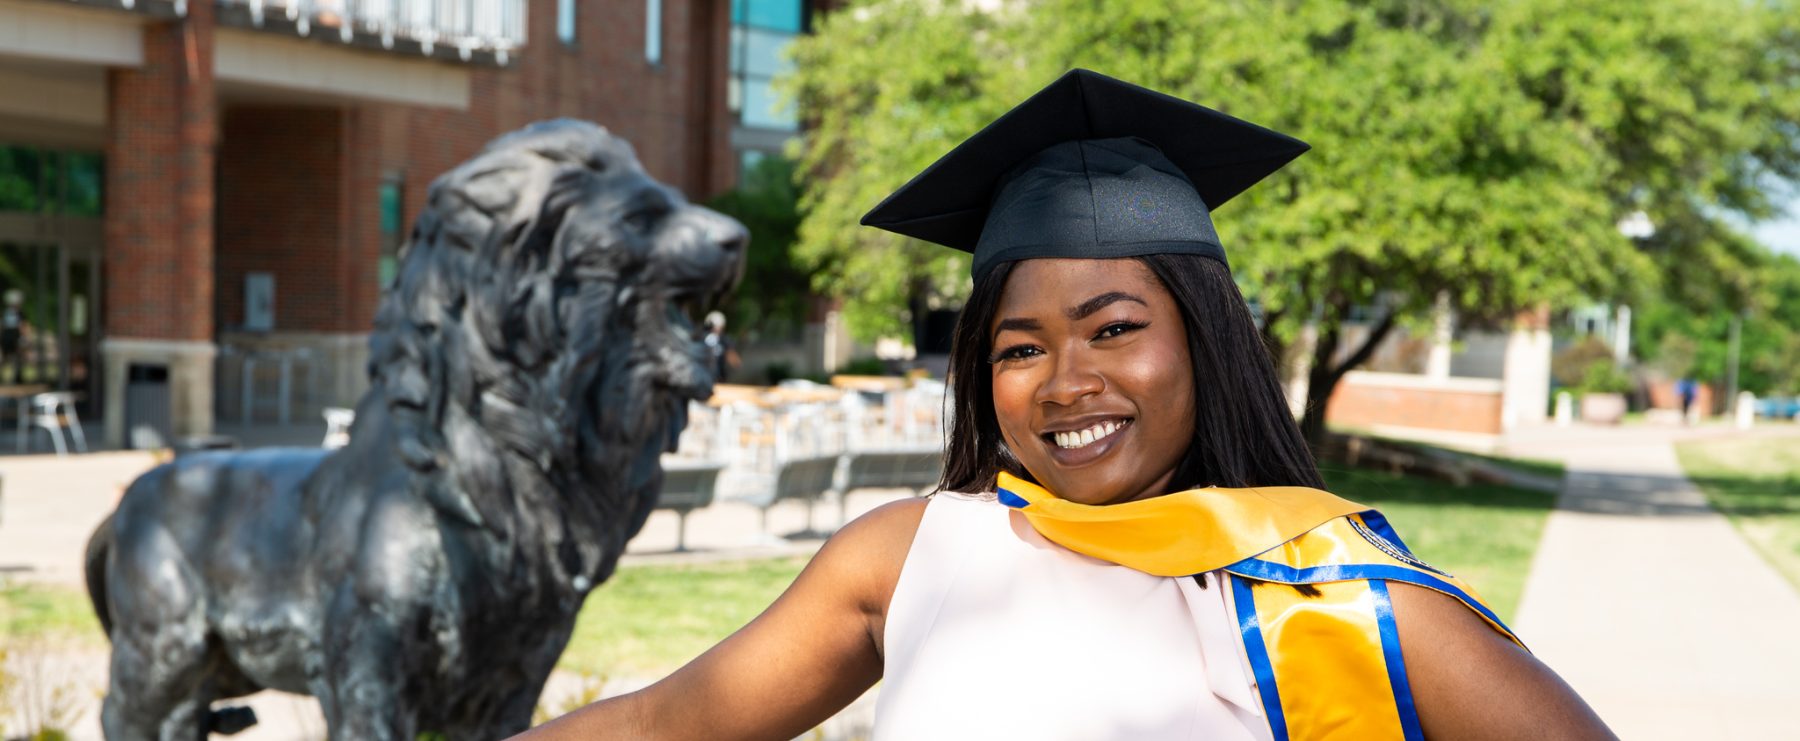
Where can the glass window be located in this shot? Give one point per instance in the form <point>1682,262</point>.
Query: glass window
<point>565,21</point>
<point>393,214</point>
<point>20,177</point>
<point>653,31</point>
<point>779,15</point>
<point>762,52</point>
<point>762,109</point>
<point>760,34</point>
<point>83,174</point>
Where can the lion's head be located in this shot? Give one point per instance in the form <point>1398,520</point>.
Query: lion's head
<point>535,341</point>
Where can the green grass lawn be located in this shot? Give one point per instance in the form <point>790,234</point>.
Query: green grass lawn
<point>31,611</point>
<point>1485,534</point>
<point>648,620</point>
<point>1756,483</point>
<point>1536,466</point>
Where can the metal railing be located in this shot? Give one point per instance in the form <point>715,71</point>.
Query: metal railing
<point>468,26</point>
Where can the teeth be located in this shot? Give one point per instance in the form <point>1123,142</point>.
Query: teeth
<point>1084,438</point>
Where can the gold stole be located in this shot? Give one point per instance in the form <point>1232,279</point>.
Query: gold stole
<point>1327,666</point>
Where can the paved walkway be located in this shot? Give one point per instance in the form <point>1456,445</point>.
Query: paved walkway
<point>1649,602</point>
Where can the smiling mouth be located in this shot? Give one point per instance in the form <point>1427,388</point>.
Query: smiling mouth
<point>1077,439</point>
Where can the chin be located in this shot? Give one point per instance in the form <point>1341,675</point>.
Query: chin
<point>1096,490</point>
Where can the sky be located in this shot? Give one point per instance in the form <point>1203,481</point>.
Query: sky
<point>1783,235</point>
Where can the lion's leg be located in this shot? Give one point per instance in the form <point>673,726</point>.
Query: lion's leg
<point>370,682</point>
<point>513,715</point>
<point>160,653</point>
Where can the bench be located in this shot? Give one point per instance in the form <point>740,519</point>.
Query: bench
<point>806,479</point>
<point>687,486</point>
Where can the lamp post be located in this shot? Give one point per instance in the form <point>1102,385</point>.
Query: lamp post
<point>1636,225</point>
<point>1731,358</point>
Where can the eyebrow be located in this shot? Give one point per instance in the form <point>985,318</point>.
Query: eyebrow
<point>1088,307</point>
<point>1077,313</point>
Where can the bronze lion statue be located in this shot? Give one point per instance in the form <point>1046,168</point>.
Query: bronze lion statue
<point>529,363</point>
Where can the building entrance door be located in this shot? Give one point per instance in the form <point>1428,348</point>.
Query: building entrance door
<point>50,251</point>
<point>49,282</point>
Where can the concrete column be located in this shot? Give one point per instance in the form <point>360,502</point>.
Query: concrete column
<point>158,306</point>
<point>1526,370</point>
<point>1298,367</point>
<point>1437,364</point>
<point>1622,335</point>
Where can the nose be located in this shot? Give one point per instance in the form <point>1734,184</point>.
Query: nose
<point>1072,378</point>
<point>724,231</point>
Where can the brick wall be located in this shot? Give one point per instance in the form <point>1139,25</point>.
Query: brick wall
<point>159,186</point>
<point>1364,400</point>
<point>673,113</point>
<point>281,183</point>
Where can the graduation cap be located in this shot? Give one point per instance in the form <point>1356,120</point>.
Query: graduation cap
<point>1089,167</point>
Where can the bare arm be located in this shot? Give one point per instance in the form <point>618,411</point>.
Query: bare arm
<point>811,653</point>
<point>1469,682</point>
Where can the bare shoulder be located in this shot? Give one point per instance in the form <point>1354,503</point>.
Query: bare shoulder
<point>867,554</point>
<point>1469,681</point>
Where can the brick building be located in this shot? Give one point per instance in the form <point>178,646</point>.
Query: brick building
<point>218,189</point>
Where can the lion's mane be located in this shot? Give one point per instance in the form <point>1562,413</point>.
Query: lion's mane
<point>501,375</point>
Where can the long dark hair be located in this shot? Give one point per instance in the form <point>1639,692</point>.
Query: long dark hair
<point>1244,435</point>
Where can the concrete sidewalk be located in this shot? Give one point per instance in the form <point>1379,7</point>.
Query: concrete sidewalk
<point>1649,602</point>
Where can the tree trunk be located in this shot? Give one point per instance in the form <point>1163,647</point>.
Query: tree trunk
<point>1272,342</point>
<point>1325,374</point>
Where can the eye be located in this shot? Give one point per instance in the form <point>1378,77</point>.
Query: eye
<point>643,220</point>
<point>1015,353</point>
<point>1118,328</point>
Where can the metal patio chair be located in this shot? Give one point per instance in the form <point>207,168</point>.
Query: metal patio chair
<point>53,412</point>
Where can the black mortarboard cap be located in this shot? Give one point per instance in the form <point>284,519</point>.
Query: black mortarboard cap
<point>1090,167</point>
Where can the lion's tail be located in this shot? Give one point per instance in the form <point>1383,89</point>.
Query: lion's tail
<point>98,546</point>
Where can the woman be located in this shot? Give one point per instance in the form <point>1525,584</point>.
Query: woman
<point>1143,551</point>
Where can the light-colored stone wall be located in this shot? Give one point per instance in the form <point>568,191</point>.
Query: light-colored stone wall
<point>190,365</point>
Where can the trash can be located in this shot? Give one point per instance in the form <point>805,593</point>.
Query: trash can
<point>149,424</point>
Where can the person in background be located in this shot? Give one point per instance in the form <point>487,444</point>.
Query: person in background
<point>723,356</point>
<point>1687,389</point>
<point>12,331</point>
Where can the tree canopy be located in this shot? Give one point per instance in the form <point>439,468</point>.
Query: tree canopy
<point>770,299</point>
<point>1474,150</point>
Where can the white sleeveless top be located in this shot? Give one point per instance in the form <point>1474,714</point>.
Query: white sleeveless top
<point>996,633</point>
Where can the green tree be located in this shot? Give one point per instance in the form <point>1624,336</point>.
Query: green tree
<point>886,88</point>
<point>1475,151</point>
<point>774,294</point>
<point>1679,340</point>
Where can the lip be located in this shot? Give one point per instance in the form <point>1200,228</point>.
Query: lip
<point>1087,454</point>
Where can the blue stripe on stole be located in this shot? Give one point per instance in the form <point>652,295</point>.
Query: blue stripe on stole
<point>1377,522</point>
<point>1013,500</point>
<point>1258,653</point>
<point>1285,574</point>
<point>1396,663</point>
